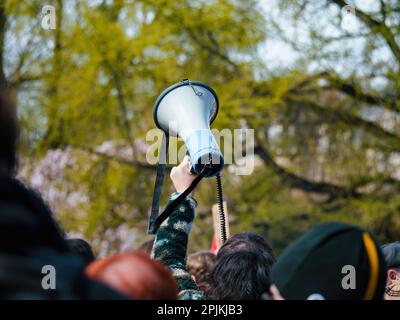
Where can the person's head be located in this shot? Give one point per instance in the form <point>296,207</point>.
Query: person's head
<point>81,248</point>
<point>246,241</point>
<point>8,135</point>
<point>147,247</point>
<point>242,269</point>
<point>242,275</point>
<point>136,275</point>
<point>391,252</point>
<point>200,265</point>
<point>332,261</point>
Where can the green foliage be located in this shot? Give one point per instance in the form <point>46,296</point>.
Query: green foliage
<point>93,82</point>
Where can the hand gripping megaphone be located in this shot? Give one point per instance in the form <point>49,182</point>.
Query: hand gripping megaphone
<point>186,110</point>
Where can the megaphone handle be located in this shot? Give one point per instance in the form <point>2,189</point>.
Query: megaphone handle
<point>174,204</point>
<point>191,169</point>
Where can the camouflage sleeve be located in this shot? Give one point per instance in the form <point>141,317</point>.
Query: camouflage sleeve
<point>170,246</point>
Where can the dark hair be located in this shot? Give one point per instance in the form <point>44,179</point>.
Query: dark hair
<point>81,248</point>
<point>8,135</point>
<point>246,241</point>
<point>243,267</point>
<point>200,265</point>
<point>243,275</point>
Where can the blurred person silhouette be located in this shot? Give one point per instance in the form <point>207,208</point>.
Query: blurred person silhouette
<point>30,238</point>
<point>136,275</point>
<point>243,264</point>
<point>200,265</point>
<point>331,261</point>
<point>25,218</point>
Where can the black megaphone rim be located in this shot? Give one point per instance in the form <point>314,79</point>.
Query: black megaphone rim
<point>181,84</point>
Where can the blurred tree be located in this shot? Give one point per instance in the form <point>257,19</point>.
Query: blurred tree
<point>337,113</point>
<point>327,133</point>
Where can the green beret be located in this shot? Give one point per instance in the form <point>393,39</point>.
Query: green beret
<point>331,261</point>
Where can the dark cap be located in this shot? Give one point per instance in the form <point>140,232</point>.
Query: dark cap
<point>391,252</point>
<point>331,261</point>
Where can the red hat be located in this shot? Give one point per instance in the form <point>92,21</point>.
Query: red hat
<point>136,275</point>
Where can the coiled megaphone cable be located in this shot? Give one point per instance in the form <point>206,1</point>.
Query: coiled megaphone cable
<point>220,200</point>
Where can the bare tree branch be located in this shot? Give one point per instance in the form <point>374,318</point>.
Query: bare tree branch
<point>296,97</point>
<point>213,49</point>
<point>113,12</point>
<point>134,163</point>
<point>346,87</point>
<point>383,10</point>
<point>344,116</point>
<point>24,78</point>
<point>369,98</point>
<point>298,182</point>
<point>123,108</point>
<point>3,21</point>
<point>376,27</point>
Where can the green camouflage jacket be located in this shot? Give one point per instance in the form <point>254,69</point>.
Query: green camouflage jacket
<point>170,246</point>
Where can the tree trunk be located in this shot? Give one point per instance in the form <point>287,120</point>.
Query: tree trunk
<point>3,20</point>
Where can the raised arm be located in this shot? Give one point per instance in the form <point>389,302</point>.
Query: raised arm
<point>170,245</point>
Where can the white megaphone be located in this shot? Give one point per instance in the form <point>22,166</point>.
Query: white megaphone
<point>186,110</point>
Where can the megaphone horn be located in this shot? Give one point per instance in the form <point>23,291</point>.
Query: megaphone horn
<point>186,110</point>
